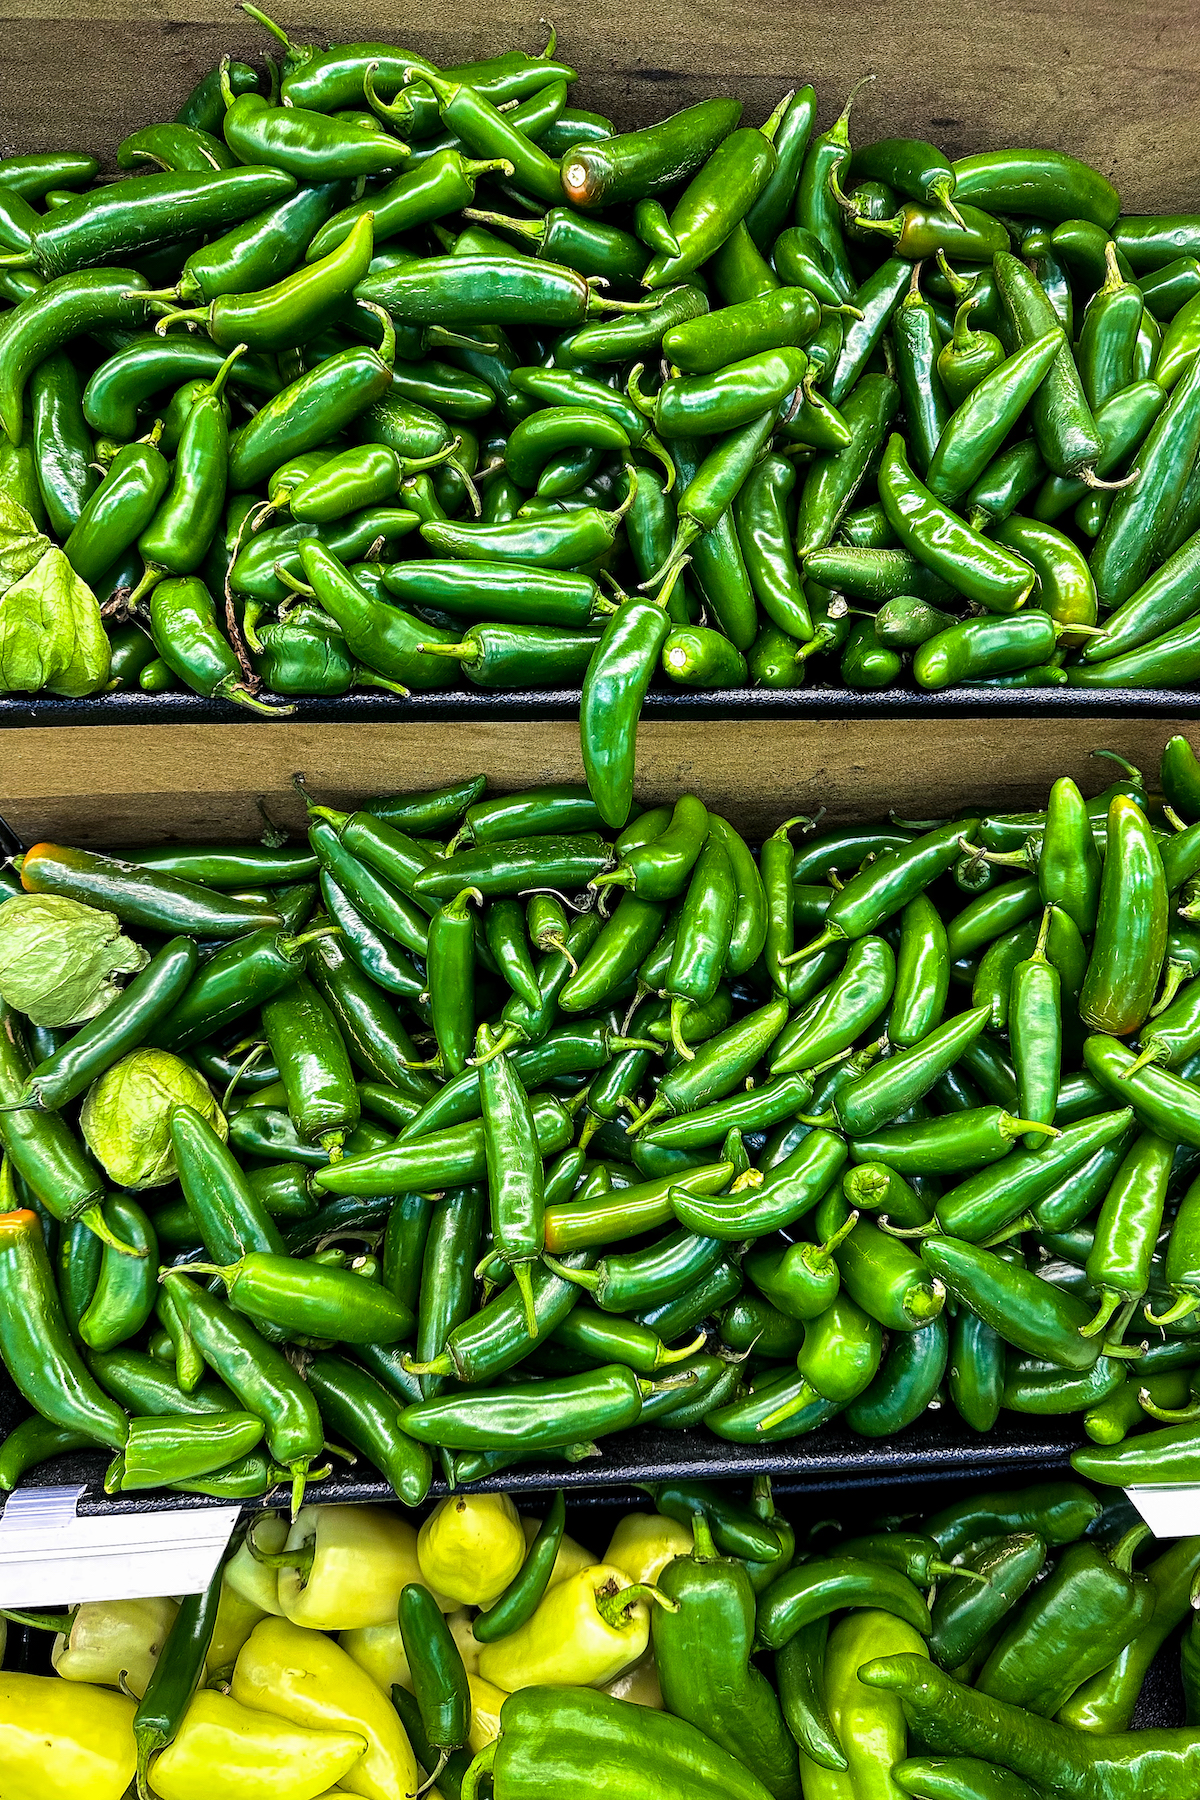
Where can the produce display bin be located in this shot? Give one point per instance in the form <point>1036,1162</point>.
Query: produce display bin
<point>1120,90</point>
<point>104,784</point>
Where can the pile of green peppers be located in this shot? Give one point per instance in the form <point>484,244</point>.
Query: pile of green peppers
<point>373,373</point>
<point>716,1649</point>
<point>462,1129</point>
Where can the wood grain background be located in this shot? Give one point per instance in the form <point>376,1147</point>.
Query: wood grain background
<point>1115,83</point>
<point>109,784</point>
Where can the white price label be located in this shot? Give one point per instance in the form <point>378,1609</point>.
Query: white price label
<point>49,1556</point>
<point>1170,1512</point>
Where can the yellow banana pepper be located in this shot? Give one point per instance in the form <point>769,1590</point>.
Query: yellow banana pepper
<point>869,1722</point>
<point>236,1619</point>
<point>305,1677</point>
<point>638,1684</point>
<point>379,1652</point>
<point>471,1546</point>
<point>379,1649</point>
<point>111,1638</point>
<point>60,1741</point>
<point>571,1556</point>
<point>580,1636</point>
<point>644,1543</point>
<point>351,1563</point>
<point>224,1748</point>
<point>486,1702</point>
<point>464,1636</point>
<point>255,1581</point>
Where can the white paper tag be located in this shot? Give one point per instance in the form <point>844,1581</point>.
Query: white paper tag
<point>1169,1511</point>
<point>50,1557</point>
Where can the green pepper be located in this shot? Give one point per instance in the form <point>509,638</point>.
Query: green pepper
<point>702,1650</point>
<point>555,1734</point>
<point>990,575</point>
<point>35,1342</point>
<point>1027,1312</point>
<point>260,1377</point>
<point>1088,1610</point>
<point>813,1590</point>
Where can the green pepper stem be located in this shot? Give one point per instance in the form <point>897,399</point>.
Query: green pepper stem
<point>941,189</point>
<point>823,1121</point>
<point>839,132</point>
<point>509,1037</point>
<point>1182,1415</point>
<point>1110,1300</point>
<point>217,384</point>
<point>1183,1308</point>
<point>443,1759</point>
<point>771,125</point>
<point>440,1365</point>
<point>584,1278</point>
<point>642,401</point>
<point>1122,1553</point>
<point>831,935</point>
<point>926,1303</point>
<point>464,652</point>
<point>1131,769</point>
<point>607,304</point>
<point>523,1276</point>
<point>150,580</point>
<point>958,284</point>
<point>260,18</point>
<point>1090,479</point>
<point>393,111</point>
<point>823,1253</point>
<point>614,1608</point>
<point>664,1356</point>
<point>1152,1052</point>
<point>386,351</point>
<point>703,1547</point>
<point>789,1409</point>
<point>1020,1127</point>
<point>240,695</point>
<point>39,1621</point>
<point>679,1009</point>
<point>527,228</point>
<point>93,1217</point>
<point>188,315</point>
<point>655,1110</point>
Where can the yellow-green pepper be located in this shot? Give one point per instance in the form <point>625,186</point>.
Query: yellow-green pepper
<point>571,1556</point>
<point>463,1634</point>
<point>379,1649</point>
<point>568,1642</point>
<point>114,1638</point>
<point>486,1702</point>
<point>644,1543</point>
<point>361,1558</point>
<point>639,1685</point>
<point>226,1748</point>
<point>59,1739</point>
<point>869,1721</point>
<point>236,1619</point>
<point>304,1677</point>
<point>256,1582</point>
<point>470,1547</point>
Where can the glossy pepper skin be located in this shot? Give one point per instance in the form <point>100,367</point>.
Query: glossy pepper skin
<point>1127,1766</point>
<point>36,1345</point>
<point>1088,1610</point>
<point>556,1734</point>
<point>38,327</point>
<point>702,1653</point>
<point>151,212</point>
